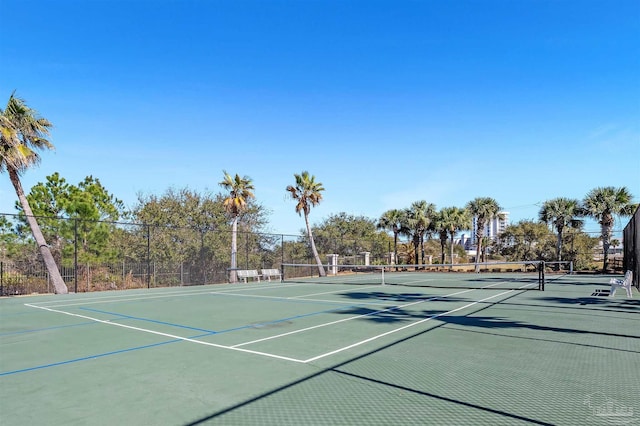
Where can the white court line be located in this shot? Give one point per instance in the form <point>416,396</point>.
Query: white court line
<point>238,347</point>
<point>377,312</point>
<point>95,301</point>
<point>291,297</point>
<point>362,342</point>
<point>128,297</point>
<point>331,292</point>
<point>297,298</point>
<point>444,278</point>
<point>172,336</point>
<point>350,318</point>
<point>121,297</point>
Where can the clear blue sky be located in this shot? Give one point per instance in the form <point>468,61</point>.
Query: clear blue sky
<point>385,102</point>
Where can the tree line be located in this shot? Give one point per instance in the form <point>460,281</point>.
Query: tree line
<point>524,240</point>
<point>189,225</point>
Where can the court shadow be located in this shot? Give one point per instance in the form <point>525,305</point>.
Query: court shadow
<point>476,324</point>
<point>570,282</point>
<point>600,301</point>
<point>389,315</point>
<point>397,297</point>
<point>587,300</point>
<point>393,387</point>
<point>502,279</point>
<point>379,295</point>
<point>502,323</point>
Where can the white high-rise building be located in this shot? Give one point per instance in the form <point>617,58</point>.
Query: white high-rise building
<point>492,229</point>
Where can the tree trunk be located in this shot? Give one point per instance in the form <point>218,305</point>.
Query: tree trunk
<point>607,225</point>
<point>559,245</point>
<point>313,247</point>
<point>395,249</point>
<point>451,260</point>
<point>559,249</point>
<point>480,231</point>
<point>54,274</point>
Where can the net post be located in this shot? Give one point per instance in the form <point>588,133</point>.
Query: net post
<point>382,274</point>
<point>541,275</point>
<point>571,267</point>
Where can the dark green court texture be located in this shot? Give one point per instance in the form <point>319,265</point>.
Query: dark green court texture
<point>307,353</point>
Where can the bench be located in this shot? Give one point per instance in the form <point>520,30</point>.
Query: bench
<point>268,273</point>
<point>624,283</point>
<point>245,274</point>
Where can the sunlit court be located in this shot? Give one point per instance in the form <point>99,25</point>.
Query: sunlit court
<point>321,351</point>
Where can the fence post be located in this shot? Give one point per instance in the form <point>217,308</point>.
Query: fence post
<point>148,256</point>
<point>75,254</point>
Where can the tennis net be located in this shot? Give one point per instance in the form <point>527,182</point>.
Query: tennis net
<point>524,275</point>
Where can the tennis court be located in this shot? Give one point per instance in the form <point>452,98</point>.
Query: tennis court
<point>307,353</point>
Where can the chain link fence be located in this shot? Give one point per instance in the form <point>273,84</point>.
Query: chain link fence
<point>101,255</point>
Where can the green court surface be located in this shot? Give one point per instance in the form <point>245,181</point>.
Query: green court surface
<point>298,353</point>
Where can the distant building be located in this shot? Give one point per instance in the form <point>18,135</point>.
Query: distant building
<point>463,241</point>
<point>493,228</point>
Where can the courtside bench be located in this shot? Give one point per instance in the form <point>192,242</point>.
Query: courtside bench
<point>245,274</point>
<point>268,273</point>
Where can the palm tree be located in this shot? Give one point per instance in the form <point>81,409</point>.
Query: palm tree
<point>393,220</point>
<point>603,204</point>
<point>483,209</point>
<point>560,213</point>
<point>443,235</point>
<point>419,222</point>
<point>449,221</point>
<point>308,193</point>
<point>22,131</point>
<point>240,192</point>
